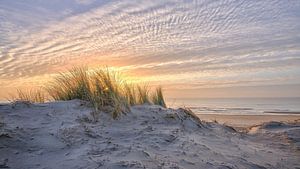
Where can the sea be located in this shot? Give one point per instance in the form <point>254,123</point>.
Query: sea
<point>239,106</point>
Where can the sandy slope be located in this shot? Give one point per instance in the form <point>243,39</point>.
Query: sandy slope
<point>62,135</point>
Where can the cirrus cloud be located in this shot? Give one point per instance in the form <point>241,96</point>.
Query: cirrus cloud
<point>192,41</point>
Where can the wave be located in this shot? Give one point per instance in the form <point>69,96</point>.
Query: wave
<point>282,112</point>
<point>240,110</point>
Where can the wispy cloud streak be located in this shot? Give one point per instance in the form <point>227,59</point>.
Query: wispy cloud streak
<point>192,41</point>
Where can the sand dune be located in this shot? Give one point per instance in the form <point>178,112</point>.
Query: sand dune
<point>63,135</point>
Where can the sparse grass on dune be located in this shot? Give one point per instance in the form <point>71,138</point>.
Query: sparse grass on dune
<point>104,89</point>
<point>143,94</point>
<point>101,88</point>
<point>107,90</point>
<point>190,113</point>
<point>130,93</point>
<point>74,84</point>
<point>31,96</point>
<point>158,98</point>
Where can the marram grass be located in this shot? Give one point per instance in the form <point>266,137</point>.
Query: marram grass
<point>130,94</point>
<point>31,96</point>
<point>143,94</point>
<point>158,98</point>
<point>105,90</point>
<point>75,84</point>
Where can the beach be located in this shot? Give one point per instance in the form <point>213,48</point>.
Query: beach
<point>248,120</point>
<point>242,112</point>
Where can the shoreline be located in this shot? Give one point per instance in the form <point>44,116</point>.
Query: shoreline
<point>245,121</point>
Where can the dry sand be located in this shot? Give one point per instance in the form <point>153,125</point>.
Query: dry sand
<point>247,120</point>
<point>63,135</point>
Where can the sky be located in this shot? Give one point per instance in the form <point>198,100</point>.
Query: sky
<point>194,49</point>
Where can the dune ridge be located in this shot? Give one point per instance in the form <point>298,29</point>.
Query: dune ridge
<point>62,134</point>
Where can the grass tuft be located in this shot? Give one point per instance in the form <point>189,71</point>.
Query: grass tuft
<point>158,98</point>
<point>31,96</point>
<point>190,113</point>
<point>74,84</point>
<point>105,90</point>
<point>130,94</point>
<point>143,94</point>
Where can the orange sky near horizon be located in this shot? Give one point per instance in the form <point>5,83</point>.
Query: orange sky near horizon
<point>194,49</point>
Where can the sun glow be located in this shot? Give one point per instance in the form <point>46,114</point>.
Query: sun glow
<point>175,44</point>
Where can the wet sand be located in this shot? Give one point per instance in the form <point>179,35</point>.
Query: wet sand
<point>247,120</point>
